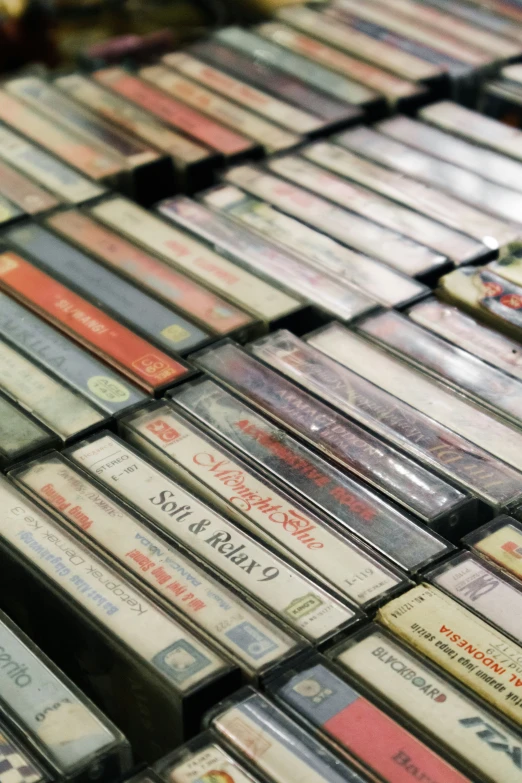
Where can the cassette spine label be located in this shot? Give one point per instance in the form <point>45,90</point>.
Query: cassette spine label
<point>170,649</point>
<point>341,712</point>
<point>27,195</point>
<point>385,414</point>
<point>143,268</point>
<point>352,505</point>
<point>483,590</point>
<point>259,255</point>
<point>64,412</point>
<point>60,179</point>
<point>49,711</point>
<point>62,357</point>
<point>156,322</point>
<point>229,621</point>
<point>278,746</point>
<point>298,533</point>
<point>149,367</point>
<point>180,250</point>
<point>470,335</point>
<point>461,726</point>
<point>477,655</point>
<point>208,762</point>
<point>346,442</point>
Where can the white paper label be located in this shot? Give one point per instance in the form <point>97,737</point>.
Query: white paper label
<point>104,594</point>
<point>183,252</point>
<point>210,765</point>
<point>191,590</point>
<point>296,599</point>
<point>52,403</point>
<point>467,730</point>
<point>48,171</point>
<point>269,513</point>
<point>491,597</point>
<point>422,394</point>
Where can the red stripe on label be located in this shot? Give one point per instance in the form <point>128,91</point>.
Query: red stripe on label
<point>176,113</point>
<point>134,356</point>
<point>387,748</point>
<point>195,300</point>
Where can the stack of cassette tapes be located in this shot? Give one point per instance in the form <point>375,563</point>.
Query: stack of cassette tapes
<point>261,405</point>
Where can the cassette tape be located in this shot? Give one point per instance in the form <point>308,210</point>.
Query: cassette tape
<point>54,137</point>
<point>341,89</point>
<point>499,541</point>
<point>326,111</point>
<point>360,43</point>
<point>66,360</point>
<point>341,85</point>
<point>183,252</point>
<point>186,164</point>
<point>253,639</point>
<point>398,92</point>
<point>410,484</point>
<point>147,271</point>
<point>58,723</point>
<point>150,368</point>
<point>417,693</point>
<point>356,727</point>
<point>476,128</point>
<point>351,229</point>
<point>264,736</point>
<point>201,759</point>
<point>297,601</point>
<point>345,502</point>
<point>450,25</point>
<point>270,137</point>
<point>20,434</point>
<point>463,68</point>
<point>176,114</point>
<point>420,392</point>
<point>382,283</point>
<point>495,200</point>
<point>278,266</point>
<point>59,178</point>
<point>486,296</point>
<point>419,228</point>
<point>142,168</point>
<point>411,431</point>
<point>29,197</point>
<point>278,111</point>
<point>487,233</point>
<point>451,636</point>
<point>484,589</point>
<point>61,410</point>
<point>339,562</point>
<point>466,154</point>
<point>141,313</point>
<point>150,674</point>
<point>483,384</point>
<point>468,334</point>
